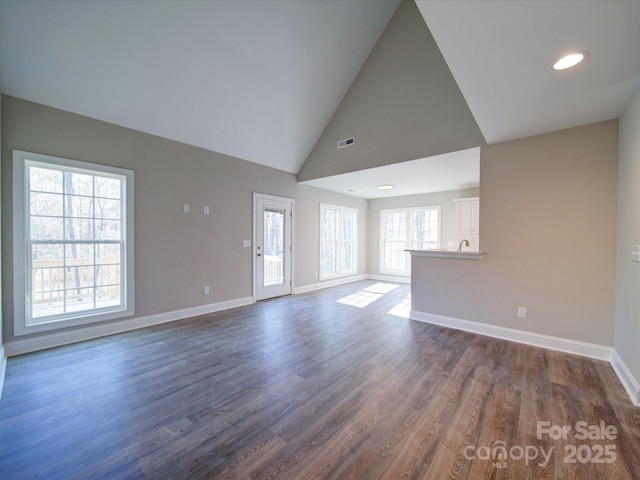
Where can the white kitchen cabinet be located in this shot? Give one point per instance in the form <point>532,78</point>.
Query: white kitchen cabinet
<point>468,223</point>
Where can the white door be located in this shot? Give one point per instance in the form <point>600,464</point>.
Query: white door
<point>272,250</point>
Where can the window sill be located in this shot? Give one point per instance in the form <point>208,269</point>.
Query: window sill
<point>446,254</point>
<point>76,321</point>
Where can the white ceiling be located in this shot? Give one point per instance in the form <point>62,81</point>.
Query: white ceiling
<point>439,173</point>
<point>500,52</point>
<point>260,79</point>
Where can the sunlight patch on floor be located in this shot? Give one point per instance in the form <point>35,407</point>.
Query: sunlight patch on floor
<point>368,295</point>
<point>380,288</point>
<point>403,309</point>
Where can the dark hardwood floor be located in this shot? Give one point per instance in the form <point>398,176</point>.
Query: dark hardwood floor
<point>307,387</point>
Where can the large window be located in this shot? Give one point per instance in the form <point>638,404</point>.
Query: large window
<point>407,228</point>
<point>73,242</point>
<point>338,245</point>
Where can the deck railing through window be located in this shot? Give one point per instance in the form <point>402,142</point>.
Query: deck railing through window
<point>53,285</point>
<point>273,271</point>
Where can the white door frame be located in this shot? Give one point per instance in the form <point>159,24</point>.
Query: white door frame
<point>255,239</point>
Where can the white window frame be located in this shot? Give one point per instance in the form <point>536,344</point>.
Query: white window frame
<point>21,245</point>
<point>338,271</point>
<point>408,245</point>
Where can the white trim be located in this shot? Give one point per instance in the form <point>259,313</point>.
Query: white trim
<point>584,349</point>
<point>340,209</point>
<point>254,239</point>
<point>329,283</point>
<point>3,368</point>
<point>21,262</point>
<point>18,347</point>
<point>390,278</point>
<point>627,379</point>
<point>600,352</point>
<point>408,211</point>
<point>353,278</point>
<point>465,199</point>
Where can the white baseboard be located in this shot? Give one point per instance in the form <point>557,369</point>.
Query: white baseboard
<point>42,342</point>
<point>627,379</point>
<point>631,385</point>
<point>329,283</point>
<point>3,368</point>
<point>584,349</point>
<point>355,278</point>
<point>390,278</point>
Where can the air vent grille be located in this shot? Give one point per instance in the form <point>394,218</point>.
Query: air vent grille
<point>347,142</point>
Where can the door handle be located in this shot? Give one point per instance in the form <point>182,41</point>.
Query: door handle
<point>259,254</point>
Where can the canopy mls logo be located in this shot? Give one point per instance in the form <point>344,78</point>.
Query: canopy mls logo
<point>586,453</point>
<point>500,453</point>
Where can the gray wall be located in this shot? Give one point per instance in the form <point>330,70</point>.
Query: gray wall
<point>176,254</point>
<point>627,335</point>
<point>548,225</point>
<point>308,201</point>
<point>403,105</point>
<point>447,217</point>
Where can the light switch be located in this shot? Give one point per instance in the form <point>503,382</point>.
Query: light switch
<point>635,253</point>
<point>246,243</point>
<point>206,209</point>
<point>186,208</point>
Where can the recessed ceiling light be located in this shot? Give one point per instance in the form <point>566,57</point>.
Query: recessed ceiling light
<point>385,187</point>
<point>570,60</point>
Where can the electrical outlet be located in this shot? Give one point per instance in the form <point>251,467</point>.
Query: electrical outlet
<point>205,210</point>
<point>205,291</point>
<point>522,312</point>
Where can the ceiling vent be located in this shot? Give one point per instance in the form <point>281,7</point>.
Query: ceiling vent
<point>347,142</point>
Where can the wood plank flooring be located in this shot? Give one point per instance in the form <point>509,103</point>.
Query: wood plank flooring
<point>307,387</point>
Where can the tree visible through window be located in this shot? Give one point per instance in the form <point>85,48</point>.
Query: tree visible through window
<point>74,230</point>
<point>407,229</point>
<point>338,234</point>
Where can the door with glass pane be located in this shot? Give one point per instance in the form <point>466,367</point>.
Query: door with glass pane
<point>273,220</point>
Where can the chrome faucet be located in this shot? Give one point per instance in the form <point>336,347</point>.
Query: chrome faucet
<point>465,242</point>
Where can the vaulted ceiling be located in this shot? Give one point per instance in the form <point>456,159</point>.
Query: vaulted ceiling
<point>258,80</point>
<point>501,52</point>
<point>261,79</point>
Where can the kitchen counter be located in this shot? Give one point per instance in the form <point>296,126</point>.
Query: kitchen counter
<point>446,254</point>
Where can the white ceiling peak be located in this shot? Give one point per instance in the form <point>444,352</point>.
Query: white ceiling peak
<point>501,53</point>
